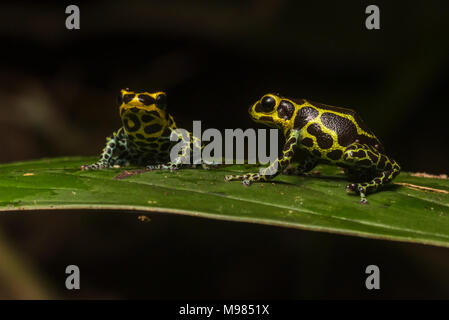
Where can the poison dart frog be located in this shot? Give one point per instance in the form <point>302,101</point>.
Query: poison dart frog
<point>144,138</point>
<point>326,134</point>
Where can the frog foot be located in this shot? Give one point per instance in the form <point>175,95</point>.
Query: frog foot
<point>166,166</point>
<point>206,165</point>
<point>94,166</point>
<point>360,189</point>
<point>246,179</point>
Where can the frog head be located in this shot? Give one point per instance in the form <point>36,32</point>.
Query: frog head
<point>143,114</point>
<point>273,110</point>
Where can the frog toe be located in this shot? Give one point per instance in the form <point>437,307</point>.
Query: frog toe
<point>363,201</point>
<point>231,177</point>
<point>86,167</point>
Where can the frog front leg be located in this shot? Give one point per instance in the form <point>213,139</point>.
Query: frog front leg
<point>364,156</point>
<point>108,158</point>
<point>275,168</point>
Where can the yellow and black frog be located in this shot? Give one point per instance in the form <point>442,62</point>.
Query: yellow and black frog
<point>327,134</point>
<point>144,138</point>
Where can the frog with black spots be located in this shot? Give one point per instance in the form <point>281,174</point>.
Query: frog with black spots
<point>327,134</point>
<point>144,138</point>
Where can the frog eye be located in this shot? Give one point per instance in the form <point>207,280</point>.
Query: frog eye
<point>268,103</point>
<point>128,97</point>
<point>161,101</point>
<point>146,99</point>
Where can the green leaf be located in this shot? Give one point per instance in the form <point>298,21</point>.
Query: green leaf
<point>404,211</point>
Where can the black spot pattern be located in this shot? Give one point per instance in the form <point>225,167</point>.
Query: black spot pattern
<point>323,139</point>
<point>382,162</point>
<point>307,142</point>
<point>289,143</point>
<point>358,154</point>
<point>304,116</point>
<point>373,157</point>
<point>153,128</point>
<point>147,118</point>
<point>335,154</point>
<point>289,154</point>
<point>346,130</point>
<point>365,162</point>
<point>316,153</point>
<point>332,108</point>
<point>298,101</point>
<point>136,123</point>
<point>142,144</point>
<point>285,110</point>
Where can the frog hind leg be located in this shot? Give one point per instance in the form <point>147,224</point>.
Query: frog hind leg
<point>366,158</point>
<point>305,166</point>
<point>114,153</point>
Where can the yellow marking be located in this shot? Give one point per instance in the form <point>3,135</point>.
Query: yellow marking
<point>289,124</point>
<point>28,174</point>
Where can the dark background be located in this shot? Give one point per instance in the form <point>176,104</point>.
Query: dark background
<point>57,97</point>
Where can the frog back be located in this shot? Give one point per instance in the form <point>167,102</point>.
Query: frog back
<point>332,127</point>
<point>148,131</point>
